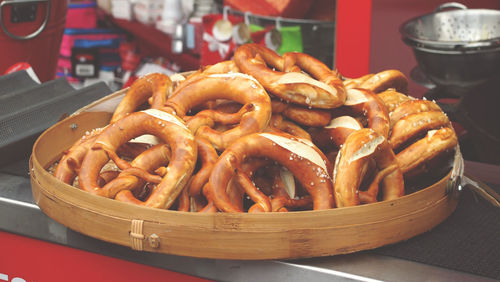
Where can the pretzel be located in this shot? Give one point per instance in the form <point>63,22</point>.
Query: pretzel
<point>107,176</point>
<point>301,115</point>
<point>340,128</point>
<point>434,143</point>
<point>193,203</point>
<point>351,166</point>
<point>271,184</point>
<point>207,156</point>
<point>412,107</point>
<point>365,102</point>
<point>69,164</point>
<point>384,80</point>
<point>156,156</point>
<point>236,87</point>
<point>218,68</point>
<point>281,200</point>
<point>155,85</point>
<point>392,99</point>
<point>184,201</point>
<point>412,125</point>
<point>278,124</point>
<point>356,82</point>
<point>211,117</point>
<point>169,129</point>
<point>326,92</point>
<point>300,156</point>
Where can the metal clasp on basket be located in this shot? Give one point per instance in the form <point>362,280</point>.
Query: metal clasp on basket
<point>454,186</point>
<point>154,241</point>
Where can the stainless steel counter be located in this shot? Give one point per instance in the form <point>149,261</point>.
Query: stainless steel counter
<point>19,215</point>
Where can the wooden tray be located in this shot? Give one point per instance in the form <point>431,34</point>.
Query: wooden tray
<point>223,235</point>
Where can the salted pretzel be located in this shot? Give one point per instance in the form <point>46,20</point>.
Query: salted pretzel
<point>212,117</point>
<point>281,200</point>
<point>323,90</point>
<point>144,164</point>
<point>433,144</point>
<point>300,114</point>
<point>254,117</point>
<point>359,149</point>
<point>69,164</point>
<point>193,203</point>
<point>107,176</point>
<point>392,99</point>
<point>332,136</point>
<point>277,183</point>
<point>156,86</point>
<point>278,124</point>
<point>411,126</point>
<point>356,82</point>
<point>412,107</point>
<point>306,162</point>
<point>384,80</point>
<point>168,128</point>
<point>236,192</point>
<point>420,133</point>
<point>218,68</point>
<point>365,102</point>
<point>207,156</point>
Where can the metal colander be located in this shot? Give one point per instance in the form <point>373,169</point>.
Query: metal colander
<point>456,48</point>
<point>463,29</point>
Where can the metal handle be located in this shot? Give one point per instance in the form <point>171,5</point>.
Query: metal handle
<point>31,35</point>
<point>459,181</point>
<point>481,44</point>
<point>481,189</point>
<point>450,5</point>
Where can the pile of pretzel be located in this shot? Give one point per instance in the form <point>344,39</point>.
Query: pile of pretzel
<point>260,133</point>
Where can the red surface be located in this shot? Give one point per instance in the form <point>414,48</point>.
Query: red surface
<point>40,52</point>
<point>35,260</point>
<point>352,38</point>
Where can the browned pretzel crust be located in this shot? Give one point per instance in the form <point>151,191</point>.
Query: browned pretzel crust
<point>325,90</point>
<point>170,129</point>
<point>233,86</point>
<point>365,102</point>
<point>147,162</point>
<point>388,79</point>
<point>156,86</point>
<point>306,162</point>
<point>359,149</point>
<point>427,148</point>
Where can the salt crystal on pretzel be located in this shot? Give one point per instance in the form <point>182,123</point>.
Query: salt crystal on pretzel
<point>301,147</point>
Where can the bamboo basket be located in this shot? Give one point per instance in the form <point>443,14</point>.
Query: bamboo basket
<point>223,235</point>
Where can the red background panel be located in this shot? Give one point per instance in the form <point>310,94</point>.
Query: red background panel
<point>352,38</point>
<point>35,260</point>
